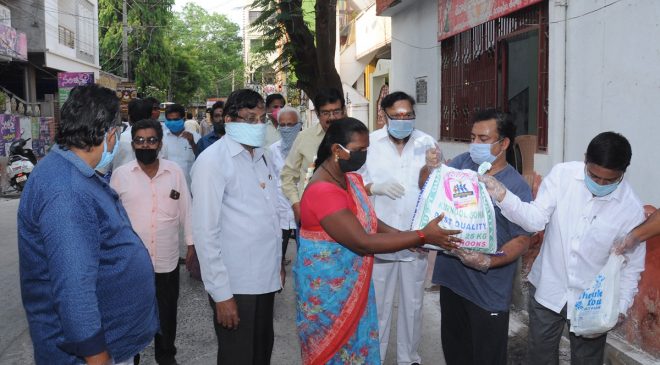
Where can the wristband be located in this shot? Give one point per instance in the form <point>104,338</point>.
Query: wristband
<point>421,235</point>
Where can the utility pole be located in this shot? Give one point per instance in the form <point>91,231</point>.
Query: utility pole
<point>124,39</point>
<point>232,81</point>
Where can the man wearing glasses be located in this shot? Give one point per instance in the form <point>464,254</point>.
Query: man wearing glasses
<point>138,109</point>
<point>396,155</point>
<point>583,207</point>
<point>330,106</point>
<point>156,197</point>
<point>236,231</point>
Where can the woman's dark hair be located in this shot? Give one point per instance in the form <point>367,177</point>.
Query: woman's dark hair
<point>272,97</point>
<point>240,99</point>
<point>146,124</point>
<point>176,108</point>
<point>610,150</point>
<point>88,113</point>
<point>392,98</point>
<point>340,131</point>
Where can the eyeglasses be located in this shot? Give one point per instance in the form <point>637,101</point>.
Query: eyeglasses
<point>252,119</point>
<point>141,141</point>
<point>402,116</point>
<point>334,113</point>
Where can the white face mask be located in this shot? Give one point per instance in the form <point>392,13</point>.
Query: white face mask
<point>480,152</point>
<point>253,135</point>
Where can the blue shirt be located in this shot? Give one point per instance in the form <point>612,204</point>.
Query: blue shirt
<point>491,290</point>
<point>206,141</point>
<point>87,282</point>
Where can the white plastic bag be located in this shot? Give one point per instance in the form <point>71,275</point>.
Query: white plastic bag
<point>596,310</point>
<point>466,205</point>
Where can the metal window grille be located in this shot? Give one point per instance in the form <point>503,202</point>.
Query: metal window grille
<point>471,79</point>
<point>66,36</point>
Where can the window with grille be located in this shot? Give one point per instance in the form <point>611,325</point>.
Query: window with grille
<point>502,63</point>
<point>66,37</point>
<point>86,32</point>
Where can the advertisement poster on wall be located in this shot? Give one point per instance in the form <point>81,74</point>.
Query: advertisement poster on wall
<point>10,130</point>
<point>68,80</point>
<point>456,16</point>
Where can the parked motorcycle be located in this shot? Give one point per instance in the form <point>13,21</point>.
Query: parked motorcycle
<point>20,165</point>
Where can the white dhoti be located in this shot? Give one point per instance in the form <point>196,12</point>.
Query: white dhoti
<point>409,276</point>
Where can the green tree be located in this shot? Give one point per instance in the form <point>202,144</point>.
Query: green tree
<point>150,54</point>
<point>310,54</point>
<point>214,43</point>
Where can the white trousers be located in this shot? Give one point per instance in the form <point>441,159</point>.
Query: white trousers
<point>409,277</point>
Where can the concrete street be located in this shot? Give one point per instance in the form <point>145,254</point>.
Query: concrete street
<point>195,339</point>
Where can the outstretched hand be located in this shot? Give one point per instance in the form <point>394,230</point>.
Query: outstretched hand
<point>495,189</point>
<point>443,238</point>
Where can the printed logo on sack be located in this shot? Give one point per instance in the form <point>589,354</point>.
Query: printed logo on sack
<point>461,190</point>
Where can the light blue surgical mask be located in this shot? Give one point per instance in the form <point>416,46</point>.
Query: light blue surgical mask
<point>597,189</point>
<point>480,152</point>
<point>399,128</point>
<point>289,135</point>
<point>253,135</point>
<point>175,126</point>
<point>107,157</point>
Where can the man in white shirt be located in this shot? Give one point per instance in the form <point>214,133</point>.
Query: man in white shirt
<point>156,197</point>
<point>396,155</point>
<point>179,145</point>
<point>583,207</point>
<point>288,124</point>
<point>236,230</point>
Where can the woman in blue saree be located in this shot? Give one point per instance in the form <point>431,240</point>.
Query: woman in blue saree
<point>336,312</point>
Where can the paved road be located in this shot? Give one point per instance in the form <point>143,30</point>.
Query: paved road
<point>195,339</point>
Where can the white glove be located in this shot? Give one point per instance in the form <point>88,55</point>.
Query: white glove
<point>391,189</point>
<point>496,189</point>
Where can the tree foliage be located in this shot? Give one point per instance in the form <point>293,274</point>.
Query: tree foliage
<point>187,56</point>
<point>215,45</point>
<point>311,54</point>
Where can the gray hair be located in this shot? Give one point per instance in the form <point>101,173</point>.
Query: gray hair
<point>288,109</point>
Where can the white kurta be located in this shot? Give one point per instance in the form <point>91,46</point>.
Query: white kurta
<point>405,269</point>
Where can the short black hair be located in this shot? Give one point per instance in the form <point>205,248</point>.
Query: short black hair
<point>505,126</point>
<point>176,108</point>
<point>146,124</point>
<point>326,96</point>
<point>239,99</point>
<point>610,150</point>
<point>152,100</point>
<point>217,105</point>
<point>272,97</point>
<point>139,109</point>
<point>340,131</point>
<point>392,98</point>
<point>86,116</point>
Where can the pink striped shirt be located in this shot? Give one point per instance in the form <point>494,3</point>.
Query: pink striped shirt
<point>158,208</point>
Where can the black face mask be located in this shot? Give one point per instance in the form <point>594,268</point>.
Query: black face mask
<point>219,128</point>
<point>146,156</point>
<point>354,163</point>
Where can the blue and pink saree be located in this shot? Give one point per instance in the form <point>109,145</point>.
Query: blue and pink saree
<point>336,311</point>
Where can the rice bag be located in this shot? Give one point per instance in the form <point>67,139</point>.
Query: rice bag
<point>466,205</point>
